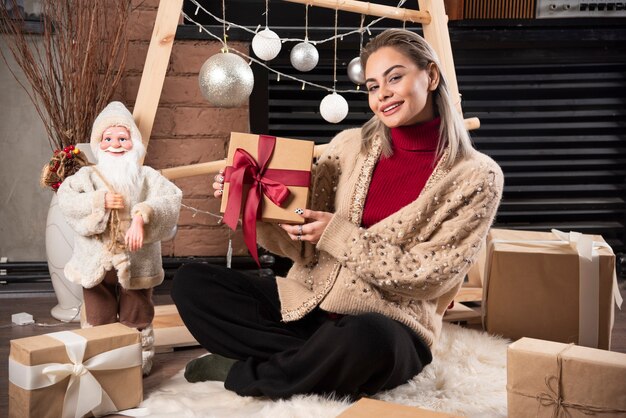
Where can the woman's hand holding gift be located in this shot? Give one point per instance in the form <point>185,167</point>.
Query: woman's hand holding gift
<point>312,230</point>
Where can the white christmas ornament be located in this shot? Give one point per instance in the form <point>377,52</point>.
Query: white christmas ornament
<point>334,108</point>
<point>266,44</point>
<point>226,80</point>
<point>355,71</point>
<point>304,56</point>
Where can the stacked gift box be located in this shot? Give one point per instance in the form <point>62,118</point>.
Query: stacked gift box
<point>550,285</point>
<point>549,379</point>
<point>555,294</point>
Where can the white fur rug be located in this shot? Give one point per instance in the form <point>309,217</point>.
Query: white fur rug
<point>467,377</point>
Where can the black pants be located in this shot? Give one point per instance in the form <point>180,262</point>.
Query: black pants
<point>238,316</point>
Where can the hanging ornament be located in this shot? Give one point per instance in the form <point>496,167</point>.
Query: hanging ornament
<point>334,108</point>
<point>304,56</point>
<point>355,71</point>
<point>266,44</point>
<point>226,80</point>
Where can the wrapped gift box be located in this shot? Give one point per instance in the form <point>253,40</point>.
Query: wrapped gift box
<point>72,373</point>
<point>372,408</point>
<point>541,286</point>
<point>289,157</point>
<point>548,379</point>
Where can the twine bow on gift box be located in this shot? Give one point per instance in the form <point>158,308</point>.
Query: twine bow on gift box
<point>84,393</point>
<point>269,182</point>
<point>553,397</point>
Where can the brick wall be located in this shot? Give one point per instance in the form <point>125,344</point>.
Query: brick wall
<point>187,130</point>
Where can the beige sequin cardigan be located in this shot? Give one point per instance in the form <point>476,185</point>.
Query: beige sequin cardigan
<point>408,266</point>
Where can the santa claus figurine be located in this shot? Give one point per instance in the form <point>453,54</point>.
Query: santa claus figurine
<point>120,210</point>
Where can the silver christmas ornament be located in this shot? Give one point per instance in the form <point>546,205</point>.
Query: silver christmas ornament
<point>266,44</point>
<point>356,72</point>
<point>304,56</point>
<point>226,80</point>
<point>334,108</point>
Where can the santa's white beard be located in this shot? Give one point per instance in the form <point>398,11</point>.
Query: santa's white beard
<point>122,172</point>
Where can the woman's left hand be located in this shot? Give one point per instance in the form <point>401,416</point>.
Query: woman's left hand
<point>311,231</point>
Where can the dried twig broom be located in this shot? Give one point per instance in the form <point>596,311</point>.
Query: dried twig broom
<point>74,66</point>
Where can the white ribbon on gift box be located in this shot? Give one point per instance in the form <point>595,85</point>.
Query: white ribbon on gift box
<point>588,277</point>
<point>84,393</point>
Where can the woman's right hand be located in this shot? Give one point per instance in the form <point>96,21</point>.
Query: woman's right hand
<point>218,184</point>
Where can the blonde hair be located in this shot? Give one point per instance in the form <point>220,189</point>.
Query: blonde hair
<point>452,132</point>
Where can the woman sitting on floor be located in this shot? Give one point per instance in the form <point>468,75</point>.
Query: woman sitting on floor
<point>399,210</point>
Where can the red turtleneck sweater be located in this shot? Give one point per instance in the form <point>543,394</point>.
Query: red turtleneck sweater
<point>399,179</point>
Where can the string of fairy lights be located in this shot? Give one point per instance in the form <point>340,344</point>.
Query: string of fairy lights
<point>229,24</point>
<point>227,81</point>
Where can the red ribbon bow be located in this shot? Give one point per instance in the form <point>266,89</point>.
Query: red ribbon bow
<point>264,181</point>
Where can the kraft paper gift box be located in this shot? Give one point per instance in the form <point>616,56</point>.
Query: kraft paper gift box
<point>287,156</point>
<point>547,379</point>
<point>371,408</point>
<point>550,285</point>
<point>266,178</point>
<point>73,373</point>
